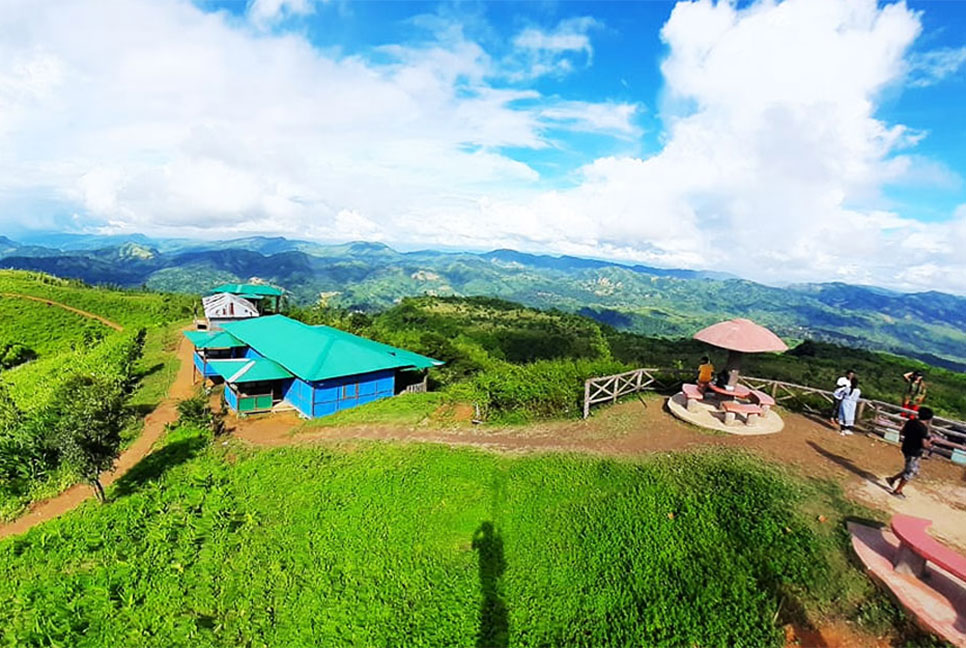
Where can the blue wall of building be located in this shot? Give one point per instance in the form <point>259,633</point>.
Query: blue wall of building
<point>231,399</point>
<point>315,399</point>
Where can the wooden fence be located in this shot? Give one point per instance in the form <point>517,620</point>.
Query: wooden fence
<point>607,389</point>
<point>873,416</point>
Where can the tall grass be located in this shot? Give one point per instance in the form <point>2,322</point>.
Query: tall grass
<point>421,546</point>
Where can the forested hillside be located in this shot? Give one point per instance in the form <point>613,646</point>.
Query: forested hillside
<point>521,362</point>
<point>370,277</point>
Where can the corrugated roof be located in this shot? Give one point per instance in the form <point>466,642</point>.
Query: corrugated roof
<point>213,340</point>
<point>228,306</point>
<point>249,370</point>
<point>321,352</point>
<point>248,290</point>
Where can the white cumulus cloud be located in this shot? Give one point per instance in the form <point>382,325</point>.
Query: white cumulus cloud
<point>157,116</point>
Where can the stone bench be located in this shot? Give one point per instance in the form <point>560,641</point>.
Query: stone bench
<point>918,547</point>
<point>693,394</point>
<point>750,412</point>
<point>763,400</point>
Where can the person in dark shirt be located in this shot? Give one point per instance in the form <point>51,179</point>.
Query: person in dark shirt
<point>915,437</point>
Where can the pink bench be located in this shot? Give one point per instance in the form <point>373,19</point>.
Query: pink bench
<point>762,399</point>
<point>750,412</point>
<point>918,547</point>
<point>693,394</point>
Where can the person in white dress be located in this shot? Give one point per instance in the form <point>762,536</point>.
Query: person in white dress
<point>849,396</point>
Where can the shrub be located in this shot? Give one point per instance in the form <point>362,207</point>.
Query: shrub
<point>197,411</point>
<point>541,389</point>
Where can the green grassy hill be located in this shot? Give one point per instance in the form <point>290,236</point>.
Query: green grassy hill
<point>67,345</point>
<point>54,329</point>
<point>217,544</point>
<point>429,546</point>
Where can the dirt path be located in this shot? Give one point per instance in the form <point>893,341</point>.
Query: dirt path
<point>49,302</point>
<point>808,446</point>
<point>154,424</point>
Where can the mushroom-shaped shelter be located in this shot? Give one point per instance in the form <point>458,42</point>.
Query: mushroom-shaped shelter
<point>740,336</point>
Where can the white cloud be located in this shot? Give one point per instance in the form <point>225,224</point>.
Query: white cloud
<point>159,117</point>
<point>928,68</point>
<point>265,12</point>
<point>188,122</point>
<point>557,51</point>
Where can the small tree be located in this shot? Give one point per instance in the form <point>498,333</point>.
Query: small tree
<point>86,419</point>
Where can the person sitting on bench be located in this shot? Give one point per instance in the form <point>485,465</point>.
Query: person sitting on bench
<point>705,373</point>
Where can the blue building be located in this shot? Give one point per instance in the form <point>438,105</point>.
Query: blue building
<point>318,370</point>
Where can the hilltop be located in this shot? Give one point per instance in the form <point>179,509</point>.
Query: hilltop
<point>240,541</point>
<point>369,276</point>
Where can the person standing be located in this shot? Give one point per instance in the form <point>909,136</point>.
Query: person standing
<point>843,382</point>
<point>847,406</point>
<point>705,373</point>
<point>915,393</point>
<point>915,437</point>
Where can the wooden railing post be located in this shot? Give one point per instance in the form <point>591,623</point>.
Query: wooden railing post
<point>586,398</point>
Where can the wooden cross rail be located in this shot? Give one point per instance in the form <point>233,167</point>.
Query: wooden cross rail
<point>875,416</point>
<point>609,388</point>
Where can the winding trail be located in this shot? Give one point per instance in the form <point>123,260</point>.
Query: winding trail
<point>166,412</point>
<point>50,302</point>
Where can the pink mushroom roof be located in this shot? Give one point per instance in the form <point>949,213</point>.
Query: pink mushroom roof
<point>741,335</point>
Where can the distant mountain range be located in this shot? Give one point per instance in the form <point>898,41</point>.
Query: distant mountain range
<point>367,276</point>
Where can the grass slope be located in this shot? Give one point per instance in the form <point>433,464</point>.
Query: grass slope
<point>127,308</point>
<point>70,344</point>
<point>51,329</point>
<point>427,546</point>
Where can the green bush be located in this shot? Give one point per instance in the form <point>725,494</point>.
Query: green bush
<point>549,388</point>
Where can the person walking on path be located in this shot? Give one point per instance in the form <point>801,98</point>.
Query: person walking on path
<point>915,437</point>
<point>705,373</point>
<point>915,393</point>
<point>848,401</point>
<point>843,381</point>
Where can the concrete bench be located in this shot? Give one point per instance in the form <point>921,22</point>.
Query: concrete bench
<point>918,547</point>
<point>693,394</point>
<point>750,412</point>
<point>762,399</point>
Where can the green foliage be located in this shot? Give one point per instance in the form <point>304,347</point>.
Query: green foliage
<point>422,546</point>
<point>86,421</point>
<point>48,329</point>
<point>14,353</point>
<point>197,411</point>
<point>548,388</point>
<point>127,308</point>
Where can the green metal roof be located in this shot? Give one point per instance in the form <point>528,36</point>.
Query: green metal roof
<point>321,352</point>
<point>213,340</point>
<point>249,370</point>
<point>248,290</point>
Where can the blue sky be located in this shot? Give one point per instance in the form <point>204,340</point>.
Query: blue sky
<point>800,140</point>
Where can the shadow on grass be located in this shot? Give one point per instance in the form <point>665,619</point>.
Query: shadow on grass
<point>153,369</point>
<point>494,629</point>
<point>849,465</point>
<point>153,467</point>
<point>793,612</point>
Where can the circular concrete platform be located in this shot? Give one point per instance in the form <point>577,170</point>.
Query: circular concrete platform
<point>708,416</point>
